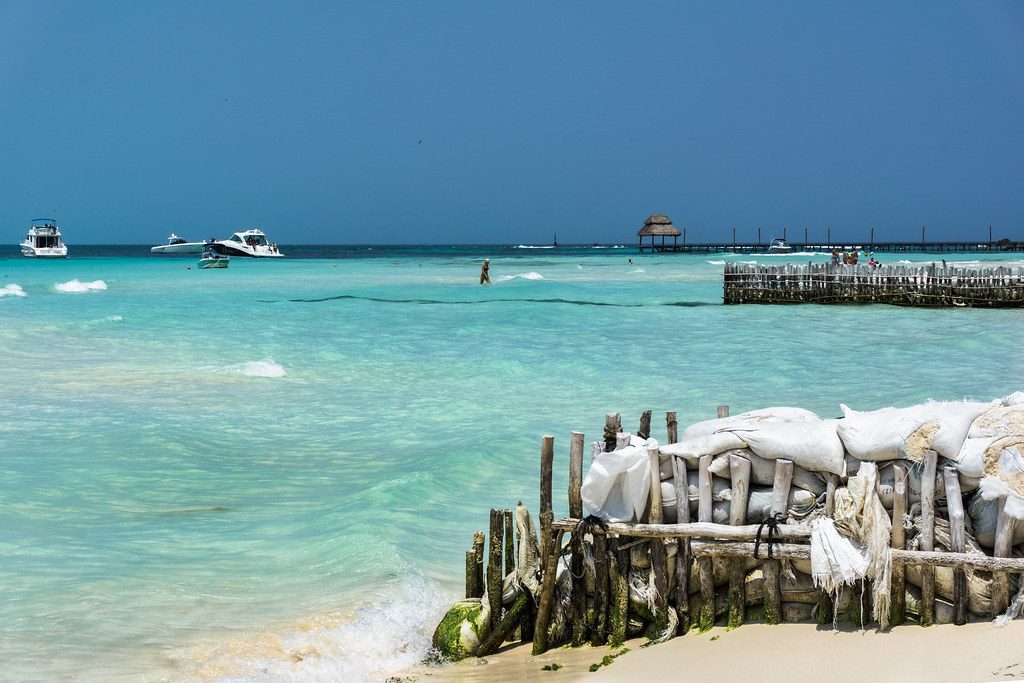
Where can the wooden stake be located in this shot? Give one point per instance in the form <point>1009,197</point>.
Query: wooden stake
<point>552,544</point>
<point>704,507</point>
<point>1003,547</point>
<point>612,426</point>
<point>783,483</point>
<point>672,427</point>
<point>578,601</point>
<point>618,578</point>
<point>723,411</point>
<point>928,537</point>
<point>958,541</point>
<point>645,425</point>
<point>898,595</point>
<point>773,568</point>
<point>494,569</point>
<point>683,558</point>
<point>547,517</point>
<point>831,484</point>
<point>705,568</point>
<point>510,542</point>
<point>658,555</point>
<point>599,634</point>
<point>478,573</point>
<point>471,587</point>
<point>739,472</point>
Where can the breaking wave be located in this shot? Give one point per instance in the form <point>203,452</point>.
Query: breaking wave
<point>12,290</point>
<point>77,286</point>
<point>717,263</point>
<point>384,637</point>
<point>532,246</point>
<point>523,276</point>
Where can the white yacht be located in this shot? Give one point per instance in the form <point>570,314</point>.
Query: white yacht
<point>247,243</point>
<point>179,245</point>
<point>43,240</point>
<point>779,246</point>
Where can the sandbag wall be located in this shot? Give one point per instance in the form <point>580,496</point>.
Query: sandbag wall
<point>664,538</point>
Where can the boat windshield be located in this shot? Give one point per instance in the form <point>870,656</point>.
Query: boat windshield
<point>256,240</point>
<point>46,241</point>
<point>176,240</point>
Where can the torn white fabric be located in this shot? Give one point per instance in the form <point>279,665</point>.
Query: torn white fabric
<point>618,483</point>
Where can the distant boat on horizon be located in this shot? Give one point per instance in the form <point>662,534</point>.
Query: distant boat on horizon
<point>555,243</point>
<point>44,240</point>
<point>178,245</point>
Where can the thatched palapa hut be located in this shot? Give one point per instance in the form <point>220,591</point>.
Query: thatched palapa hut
<point>658,225</point>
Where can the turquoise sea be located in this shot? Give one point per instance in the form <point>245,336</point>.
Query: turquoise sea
<point>272,472</point>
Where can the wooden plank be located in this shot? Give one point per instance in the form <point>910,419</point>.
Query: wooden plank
<point>958,541</point>
<point>724,532</point>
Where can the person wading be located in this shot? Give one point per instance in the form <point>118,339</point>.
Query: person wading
<point>485,278</point>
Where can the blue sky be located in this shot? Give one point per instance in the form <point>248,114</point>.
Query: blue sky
<point>135,119</point>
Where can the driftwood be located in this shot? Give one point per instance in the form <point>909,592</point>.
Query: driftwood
<point>502,629</point>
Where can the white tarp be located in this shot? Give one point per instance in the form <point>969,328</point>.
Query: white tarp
<point>618,484</point>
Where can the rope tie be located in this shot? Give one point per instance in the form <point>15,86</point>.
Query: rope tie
<point>583,527</point>
<point>773,528</point>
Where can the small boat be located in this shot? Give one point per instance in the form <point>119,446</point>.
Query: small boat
<point>779,246</point>
<point>247,243</point>
<point>179,245</point>
<point>212,259</point>
<point>43,240</point>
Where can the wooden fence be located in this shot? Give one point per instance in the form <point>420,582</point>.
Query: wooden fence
<point>823,283</point>
<point>600,606</point>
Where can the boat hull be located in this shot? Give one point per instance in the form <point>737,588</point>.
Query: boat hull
<point>208,263</point>
<point>234,249</point>
<point>186,248</point>
<point>44,253</point>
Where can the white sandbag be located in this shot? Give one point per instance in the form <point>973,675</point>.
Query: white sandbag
<point>762,471</point>
<point>984,515</point>
<point>692,450</point>
<point>887,483</point>
<point>720,491</point>
<point>1000,420</point>
<point>895,433</point>
<point>668,502</point>
<point>618,484</point>
<point>759,505</point>
<point>749,418</point>
<point>814,446</point>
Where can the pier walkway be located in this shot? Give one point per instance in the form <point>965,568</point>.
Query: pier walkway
<point>879,247</point>
<point>823,283</point>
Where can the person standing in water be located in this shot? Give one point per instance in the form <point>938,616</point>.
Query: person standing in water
<point>485,278</point>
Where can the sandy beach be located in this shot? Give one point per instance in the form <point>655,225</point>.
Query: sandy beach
<point>975,652</point>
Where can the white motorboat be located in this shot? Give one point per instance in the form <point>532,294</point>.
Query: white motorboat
<point>179,245</point>
<point>43,240</point>
<point>248,243</point>
<point>212,259</point>
<point>779,246</point>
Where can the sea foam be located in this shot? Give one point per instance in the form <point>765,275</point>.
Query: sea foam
<point>12,290</point>
<point>77,286</point>
<point>268,367</point>
<point>385,637</point>
<point>523,276</point>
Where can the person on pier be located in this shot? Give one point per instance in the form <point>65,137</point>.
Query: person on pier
<point>835,257</point>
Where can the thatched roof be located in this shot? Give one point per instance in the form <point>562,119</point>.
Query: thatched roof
<point>658,224</point>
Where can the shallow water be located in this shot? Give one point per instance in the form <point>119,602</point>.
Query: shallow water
<point>273,470</point>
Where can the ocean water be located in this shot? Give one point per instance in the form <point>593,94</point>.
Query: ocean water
<point>272,472</point>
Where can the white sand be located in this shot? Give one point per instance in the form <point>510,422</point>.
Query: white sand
<point>788,652</point>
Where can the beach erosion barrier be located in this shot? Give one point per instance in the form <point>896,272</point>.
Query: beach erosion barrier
<point>901,285</point>
<point>775,515</point>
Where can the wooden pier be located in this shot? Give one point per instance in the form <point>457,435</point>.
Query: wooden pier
<point>936,285</point>
<point>827,247</point>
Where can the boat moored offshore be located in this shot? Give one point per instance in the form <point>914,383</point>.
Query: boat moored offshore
<point>779,246</point>
<point>44,240</point>
<point>179,245</point>
<point>248,243</point>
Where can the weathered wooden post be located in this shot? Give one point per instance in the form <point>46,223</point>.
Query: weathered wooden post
<point>494,569</point>
<point>723,411</point>
<point>958,541</point>
<point>705,566</point>
<point>547,516</point>
<point>578,604</point>
<point>599,630</point>
<point>618,578</point>
<point>683,554</point>
<point>1003,548</point>
<point>510,542</point>
<point>898,594</point>
<point>773,568</point>
<point>928,537</point>
<point>645,425</point>
<point>471,587</point>
<point>478,570</point>
<point>672,427</point>
<point>739,472</point>
<point>657,546</point>
<point>547,593</point>
<point>612,426</point>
